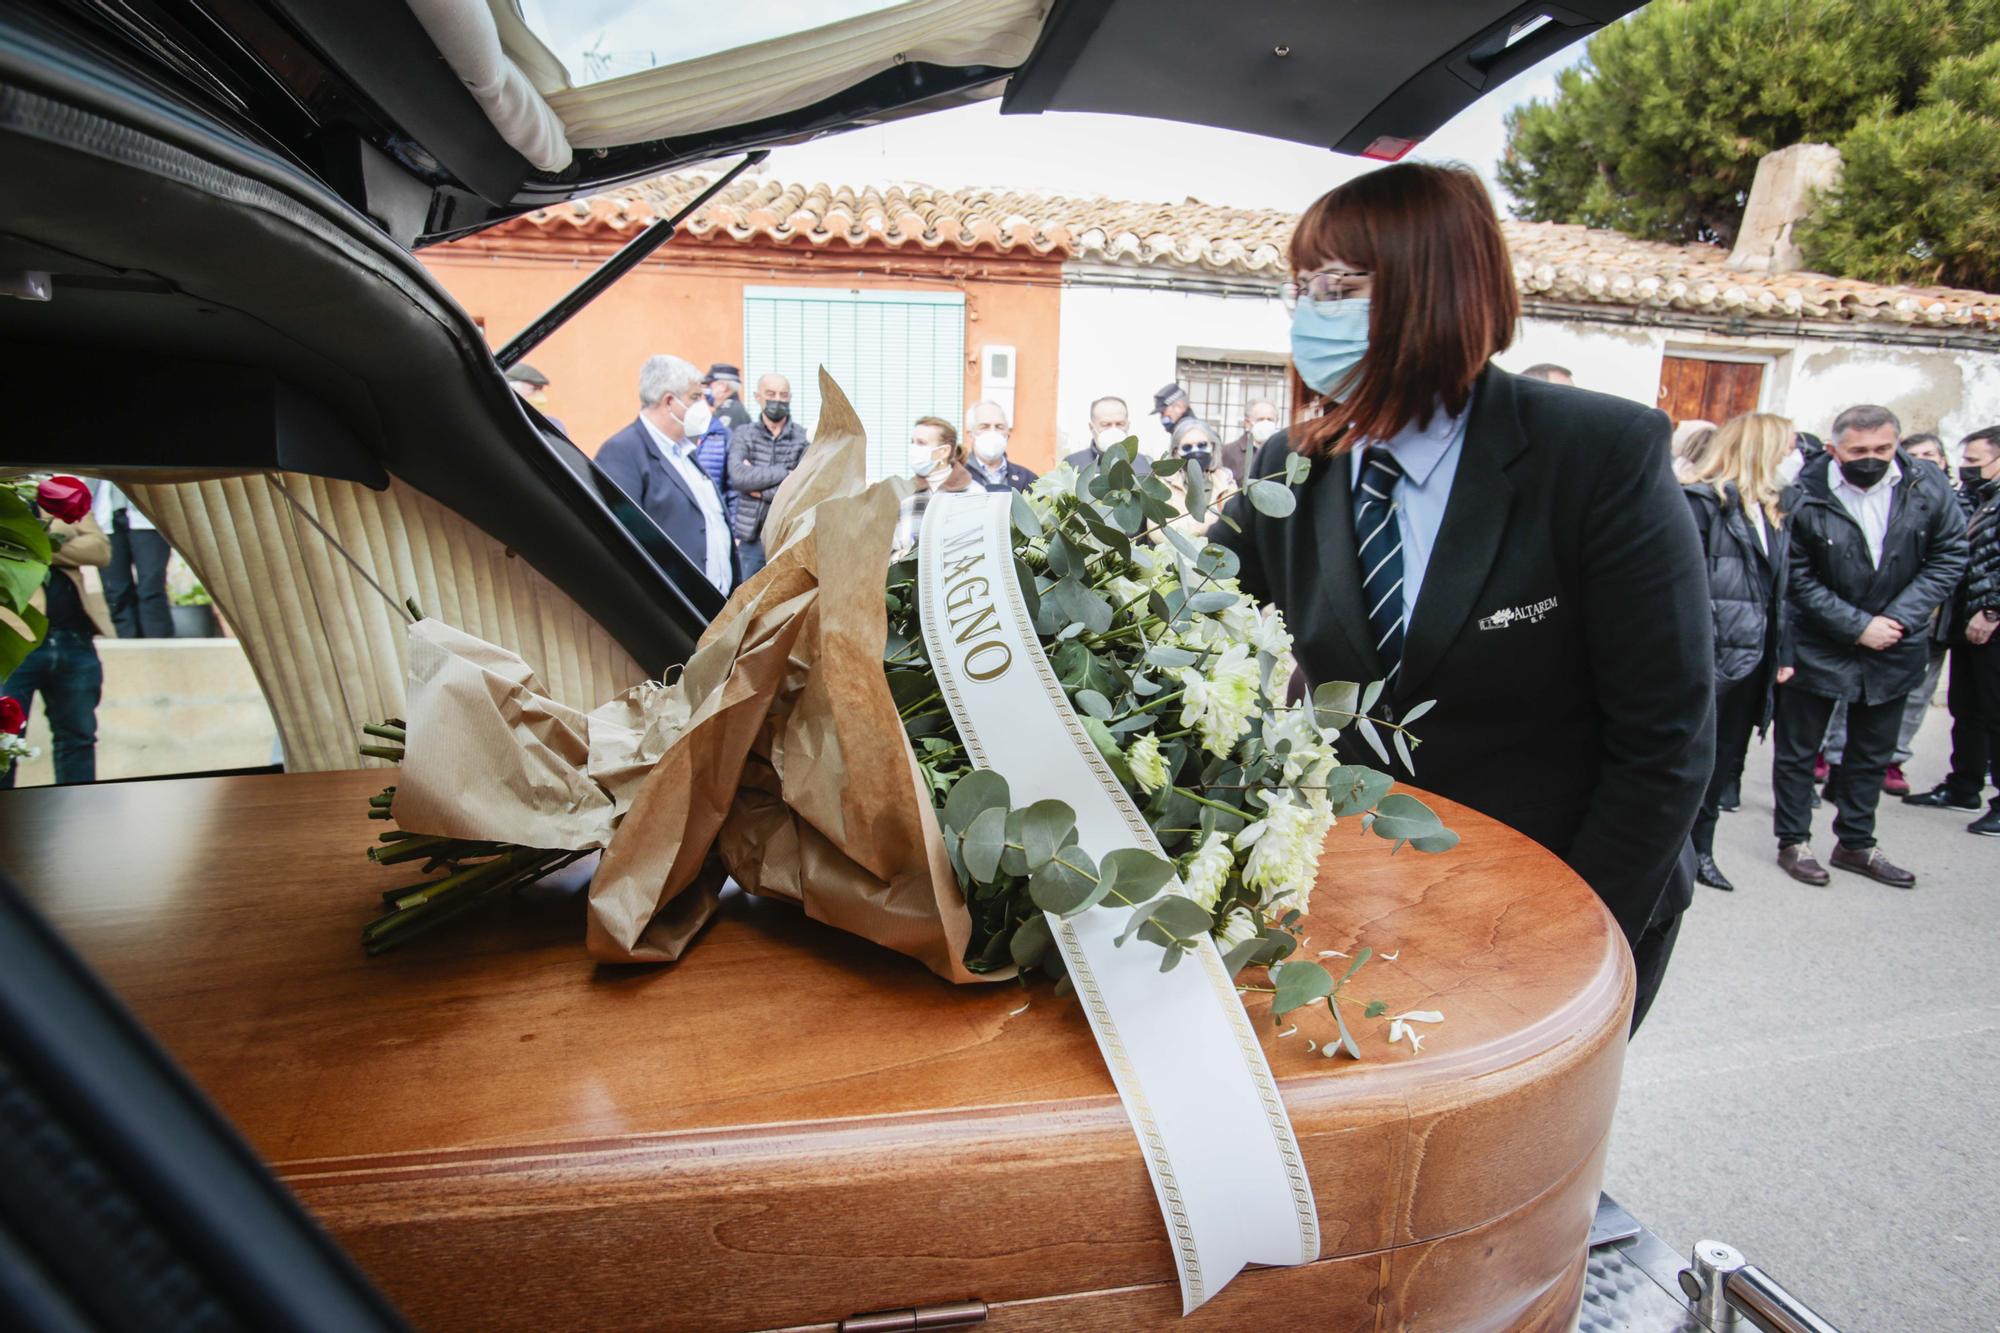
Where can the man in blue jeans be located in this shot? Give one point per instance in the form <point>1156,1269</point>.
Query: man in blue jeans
<point>64,668</point>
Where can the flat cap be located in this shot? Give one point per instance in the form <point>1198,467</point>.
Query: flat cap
<point>523,373</point>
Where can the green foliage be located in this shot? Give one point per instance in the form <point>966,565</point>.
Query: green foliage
<point>1658,132</point>
<point>1919,199</point>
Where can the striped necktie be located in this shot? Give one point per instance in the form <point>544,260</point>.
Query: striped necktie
<point>1381,552</point>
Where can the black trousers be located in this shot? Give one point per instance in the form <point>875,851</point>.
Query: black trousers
<point>1974,754</point>
<point>135,582</point>
<point>1649,963</point>
<point>1855,786</point>
<point>1736,709</point>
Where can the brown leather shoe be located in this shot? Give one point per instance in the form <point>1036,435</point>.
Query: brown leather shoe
<point>1869,861</point>
<point>1797,861</point>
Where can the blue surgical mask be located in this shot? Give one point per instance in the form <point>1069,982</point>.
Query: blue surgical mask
<point>1328,341</point>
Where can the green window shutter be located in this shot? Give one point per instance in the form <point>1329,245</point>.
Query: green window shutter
<point>898,355</point>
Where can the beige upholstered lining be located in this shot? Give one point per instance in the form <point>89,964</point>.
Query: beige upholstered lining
<point>327,648</point>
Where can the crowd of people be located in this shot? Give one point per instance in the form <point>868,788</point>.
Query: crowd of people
<point>1842,576</point>
<point>705,467</point>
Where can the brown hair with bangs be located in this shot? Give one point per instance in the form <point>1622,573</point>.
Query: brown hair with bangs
<point>1443,301</point>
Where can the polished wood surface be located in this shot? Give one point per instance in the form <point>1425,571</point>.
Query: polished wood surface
<point>791,1125</point>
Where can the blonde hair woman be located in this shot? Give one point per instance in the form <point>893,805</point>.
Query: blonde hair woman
<point>1738,498</point>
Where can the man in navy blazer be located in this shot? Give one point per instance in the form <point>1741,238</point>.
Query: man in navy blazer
<point>654,463</point>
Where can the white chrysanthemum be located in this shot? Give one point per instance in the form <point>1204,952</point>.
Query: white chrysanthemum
<point>1058,480</point>
<point>1220,702</point>
<point>1284,849</point>
<point>1206,875</point>
<point>1270,635</point>
<point>1237,927</point>
<point>1306,755</point>
<point>1155,569</point>
<point>1149,766</point>
<point>1125,592</point>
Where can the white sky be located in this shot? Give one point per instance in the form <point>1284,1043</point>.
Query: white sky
<point>1128,158</point>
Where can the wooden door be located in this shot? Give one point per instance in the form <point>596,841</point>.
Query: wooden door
<point>1694,389</point>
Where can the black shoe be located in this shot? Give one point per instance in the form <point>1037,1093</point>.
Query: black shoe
<point>1730,800</point>
<point>1988,824</point>
<point>1706,871</point>
<point>1816,802</point>
<point>1942,797</point>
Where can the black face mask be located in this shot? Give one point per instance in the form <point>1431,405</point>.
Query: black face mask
<point>1971,476</point>
<point>1200,458</point>
<point>776,411</point>
<point>1865,472</point>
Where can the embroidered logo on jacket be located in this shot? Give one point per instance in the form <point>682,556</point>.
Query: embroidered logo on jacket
<point>1518,615</point>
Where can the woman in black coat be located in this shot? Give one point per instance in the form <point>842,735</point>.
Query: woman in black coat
<point>1515,550</point>
<point>1736,498</point>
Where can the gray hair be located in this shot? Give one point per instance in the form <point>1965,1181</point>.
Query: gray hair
<point>1865,416</point>
<point>973,411</point>
<point>663,375</point>
<point>1095,403</point>
<point>1263,402</point>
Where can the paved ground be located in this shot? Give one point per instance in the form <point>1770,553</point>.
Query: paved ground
<point>1817,1084</point>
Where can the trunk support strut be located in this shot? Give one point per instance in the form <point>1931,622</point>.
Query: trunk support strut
<point>612,269</point>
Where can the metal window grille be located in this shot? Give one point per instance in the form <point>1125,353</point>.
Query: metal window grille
<point>1221,386</point>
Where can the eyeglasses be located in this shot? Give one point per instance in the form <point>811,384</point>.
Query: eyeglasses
<point>1324,287</point>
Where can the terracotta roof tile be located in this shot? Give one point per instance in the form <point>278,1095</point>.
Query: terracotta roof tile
<point>1552,261</point>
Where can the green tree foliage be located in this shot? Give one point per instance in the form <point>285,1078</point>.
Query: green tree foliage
<point>1920,198</point>
<point>1657,133</point>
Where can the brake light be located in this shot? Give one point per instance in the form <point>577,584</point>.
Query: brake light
<point>1389,149</point>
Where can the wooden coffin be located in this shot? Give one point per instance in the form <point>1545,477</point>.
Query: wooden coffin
<point>791,1126</point>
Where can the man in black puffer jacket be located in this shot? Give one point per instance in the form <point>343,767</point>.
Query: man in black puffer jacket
<point>1878,543</point>
<point>1978,658</point>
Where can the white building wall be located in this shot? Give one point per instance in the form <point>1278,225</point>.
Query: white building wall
<point>1124,341</point>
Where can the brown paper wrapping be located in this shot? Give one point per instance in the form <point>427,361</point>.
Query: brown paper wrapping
<point>779,746</point>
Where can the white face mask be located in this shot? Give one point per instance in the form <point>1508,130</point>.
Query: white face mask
<point>698,419</point>
<point>1788,471</point>
<point>1261,431</point>
<point>1112,435</point>
<point>923,460</point>
<point>990,445</point>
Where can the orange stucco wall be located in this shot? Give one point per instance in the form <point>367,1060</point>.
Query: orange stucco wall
<point>688,300</point>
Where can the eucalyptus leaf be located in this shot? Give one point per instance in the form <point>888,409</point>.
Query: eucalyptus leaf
<point>1241,956</point>
<point>1402,744</point>
<point>1441,841</point>
<point>1212,600</point>
<point>1183,543</point>
<point>1418,710</point>
<point>1066,885</point>
<point>1093,703</point>
<point>1107,746</point>
<point>1026,521</point>
<point>1169,657</point>
<point>1373,737</point>
<point>1046,828</point>
<point>1375,1009</point>
<point>1298,984</point>
<point>1175,919</point>
<point>1197,492</point>
<point>1352,788</point>
<point>981,789</point>
<point>1013,857</point>
<point>1346,1038</point>
<point>1297,468</point>
<point>1336,702</point>
<point>1403,818</point>
<point>1133,875</point>
<point>1032,939</point>
<point>1272,499</point>
<point>1167,467</point>
<point>1082,605</point>
<point>985,838</point>
<point>1370,695</point>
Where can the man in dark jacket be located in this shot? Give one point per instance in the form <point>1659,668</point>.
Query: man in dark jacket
<point>724,384</point>
<point>1878,542</point>
<point>761,455</point>
<point>1110,423</point>
<point>1562,625</point>
<point>1260,423</point>
<point>653,461</point>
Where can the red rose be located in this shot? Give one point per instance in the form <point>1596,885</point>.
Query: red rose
<point>13,717</point>
<point>64,498</point>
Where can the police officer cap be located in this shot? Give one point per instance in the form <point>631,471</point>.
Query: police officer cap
<point>1173,393</point>
<point>722,370</point>
<point>523,373</point>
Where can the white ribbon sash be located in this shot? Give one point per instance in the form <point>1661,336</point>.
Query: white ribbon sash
<point>1226,1168</point>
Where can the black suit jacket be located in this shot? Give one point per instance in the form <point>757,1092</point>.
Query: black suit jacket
<point>1563,628</point>
<point>631,459</point>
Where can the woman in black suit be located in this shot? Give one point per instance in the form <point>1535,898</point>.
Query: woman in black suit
<point>1735,497</point>
<point>1516,550</point>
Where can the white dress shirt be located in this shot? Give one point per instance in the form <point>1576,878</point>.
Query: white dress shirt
<point>107,500</point>
<point>680,457</point>
<point>1869,508</point>
<point>1429,457</point>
